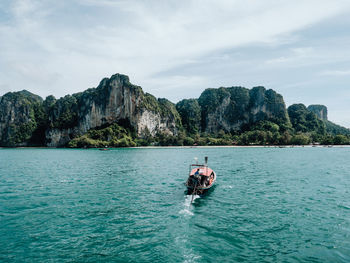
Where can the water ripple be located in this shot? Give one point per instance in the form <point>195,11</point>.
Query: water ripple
<point>128,205</point>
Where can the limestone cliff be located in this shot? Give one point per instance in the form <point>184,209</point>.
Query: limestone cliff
<point>114,100</point>
<point>229,109</point>
<point>320,111</point>
<point>17,118</point>
<point>25,119</point>
<point>120,114</point>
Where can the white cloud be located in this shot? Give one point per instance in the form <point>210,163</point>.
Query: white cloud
<point>63,47</point>
<point>278,60</point>
<point>336,72</point>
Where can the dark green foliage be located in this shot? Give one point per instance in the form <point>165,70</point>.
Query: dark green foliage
<point>162,106</point>
<point>300,139</point>
<point>111,136</point>
<point>266,126</point>
<point>188,141</point>
<point>41,118</point>
<point>64,112</point>
<point>341,139</point>
<point>20,129</point>
<point>210,99</point>
<point>237,108</point>
<point>336,140</point>
<point>24,97</point>
<point>167,108</point>
<point>49,102</point>
<point>304,120</point>
<point>23,132</point>
<point>190,113</point>
<point>163,139</point>
<point>335,129</point>
<point>150,102</point>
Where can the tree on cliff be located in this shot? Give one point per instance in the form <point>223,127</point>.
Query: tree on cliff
<point>118,113</point>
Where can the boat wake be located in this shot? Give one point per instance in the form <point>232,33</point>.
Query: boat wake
<point>187,252</point>
<point>182,233</point>
<point>187,205</point>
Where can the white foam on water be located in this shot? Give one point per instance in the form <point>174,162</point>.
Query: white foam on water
<point>187,205</point>
<point>191,258</point>
<point>186,212</point>
<point>188,199</point>
<point>187,251</point>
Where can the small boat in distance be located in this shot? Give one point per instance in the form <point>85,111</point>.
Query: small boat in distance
<point>200,179</point>
<point>104,149</point>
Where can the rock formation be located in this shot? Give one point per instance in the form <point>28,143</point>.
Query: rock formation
<point>114,100</point>
<point>303,120</point>
<point>17,117</point>
<point>320,111</point>
<point>59,121</point>
<point>27,120</point>
<point>229,109</point>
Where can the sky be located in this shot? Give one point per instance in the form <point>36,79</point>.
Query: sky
<point>176,49</point>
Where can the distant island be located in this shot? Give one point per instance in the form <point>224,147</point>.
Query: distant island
<point>119,114</point>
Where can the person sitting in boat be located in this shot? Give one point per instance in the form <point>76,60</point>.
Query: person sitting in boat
<point>196,177</point>
<point>204,180</point>
<point>211,178</point>
<point>197,174</point>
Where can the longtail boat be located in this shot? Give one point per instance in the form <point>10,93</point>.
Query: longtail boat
<point>201,178</point>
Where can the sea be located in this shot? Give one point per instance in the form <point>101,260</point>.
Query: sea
<point>130,205</point>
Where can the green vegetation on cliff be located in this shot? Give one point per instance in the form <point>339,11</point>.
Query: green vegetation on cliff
<point>230,103</point>
<point>162,106</point>
<point>119,114</point>
<point>22,112</point>
<point>111,136</point>
<point>335,129</point>
<point>190,113</point>
<point>237,109</point>
<point>64,112</point>
<point>304,120</point>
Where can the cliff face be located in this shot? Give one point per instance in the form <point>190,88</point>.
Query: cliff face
<point>17,118</point>
<point>114,100</point>
<point>229,109</point>
<point>119,113</point>
<point>25,119</point>
<point>320,111</point>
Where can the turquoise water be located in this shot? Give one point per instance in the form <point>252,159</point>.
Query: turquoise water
<point>128,205</point>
